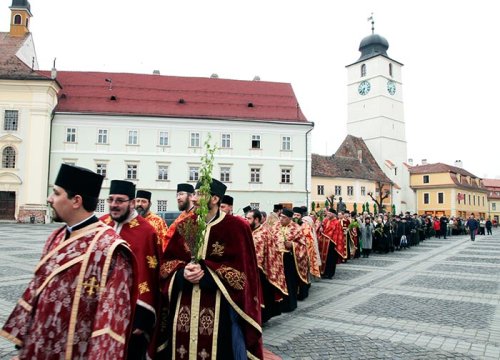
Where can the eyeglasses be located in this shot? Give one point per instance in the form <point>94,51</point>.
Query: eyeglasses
<point>118,201</point>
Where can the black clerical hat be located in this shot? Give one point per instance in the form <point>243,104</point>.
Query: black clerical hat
<point>79,180</point>
<point>227,200</point>
<point>287,212</point>
<point>144,194</point>
<point>297,210</point>
<point>185,188</point>
<point>217,188</point>
<point>277,207</point>
<point>247,209</point>
<point>122,187</point>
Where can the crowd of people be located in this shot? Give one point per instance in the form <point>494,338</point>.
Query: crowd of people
<point>129,286</point>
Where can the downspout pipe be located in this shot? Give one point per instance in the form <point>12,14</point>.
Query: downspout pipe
<point>307,166</point>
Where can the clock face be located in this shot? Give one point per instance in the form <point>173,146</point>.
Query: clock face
<point>391,87</point>
<point>364,87</point>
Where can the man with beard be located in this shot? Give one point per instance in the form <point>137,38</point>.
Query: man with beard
<point>291,240</point>
<point>226,204</point>
<point>311,242</point>
<point>141,237</point>
<point>215,303</point>
<point>270,263</point>
<point>143,207</point>
<point>274,216</point>
<point>85,310</point>
<point>184,204</point>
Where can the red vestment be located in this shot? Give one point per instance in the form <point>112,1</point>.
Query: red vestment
<point>293,232</point>
<point>142,240</point>
<point>79,304</point>
<point>159,225</point>
<point>228,256</point>
<point>330,235</point>
<point>171,228</point>
<point>311,243</point>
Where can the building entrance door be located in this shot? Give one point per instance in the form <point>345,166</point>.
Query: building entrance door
<point>7,205</point>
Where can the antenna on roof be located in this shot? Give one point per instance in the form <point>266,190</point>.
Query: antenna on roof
<point>110,83</point>
<point>373,23</point>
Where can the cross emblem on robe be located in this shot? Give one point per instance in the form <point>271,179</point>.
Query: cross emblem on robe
<point>203,354</point>
<point>91,285</point>
<point>182,351</point>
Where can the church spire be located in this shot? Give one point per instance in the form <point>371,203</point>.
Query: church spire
<point>373,23</point>
<point>20,17</point>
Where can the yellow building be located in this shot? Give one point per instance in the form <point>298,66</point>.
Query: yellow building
<point>351,174</point>
<point>450,190</point>
<point>493,187</point>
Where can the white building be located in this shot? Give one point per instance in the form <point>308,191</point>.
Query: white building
<point>376,114</point>
<point>27,99</point>
<point>151,129</point>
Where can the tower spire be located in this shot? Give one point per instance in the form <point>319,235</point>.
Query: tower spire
<point>373,23</point>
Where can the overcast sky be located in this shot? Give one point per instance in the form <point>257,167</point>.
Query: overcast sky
<point>451,81</point>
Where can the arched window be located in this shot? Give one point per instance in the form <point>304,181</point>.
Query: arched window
<point>363,70</point>
<point>9,158</point>
<point>390,69</point>
<point>17,19</point>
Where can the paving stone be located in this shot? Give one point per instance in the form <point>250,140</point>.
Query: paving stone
<point>446,283</point>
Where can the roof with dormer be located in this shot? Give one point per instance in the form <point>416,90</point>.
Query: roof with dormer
<point>352,160</point>
<point>176,96</point>
<point>11,66</point>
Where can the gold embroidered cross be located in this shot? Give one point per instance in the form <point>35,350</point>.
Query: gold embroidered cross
<point>152,262</point>
<point>218,249</point>
<point>143,287</point>
<point>182,351</point>
<point>92,286</point>
<point>203,354</point>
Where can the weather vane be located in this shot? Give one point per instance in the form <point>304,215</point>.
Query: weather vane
<point>373,23</point>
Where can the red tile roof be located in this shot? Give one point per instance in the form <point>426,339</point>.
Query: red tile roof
<point>493,187</point>
<point>11,67</point>
<point>439,168</point>
<point>173,96</point>
<point>491,183</point>
<point>345,163</point>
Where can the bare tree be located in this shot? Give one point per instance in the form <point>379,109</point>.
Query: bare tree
<point>382,195</point>
<point>330,200</point>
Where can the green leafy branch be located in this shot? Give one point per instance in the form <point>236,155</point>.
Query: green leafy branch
<point>205,179</point>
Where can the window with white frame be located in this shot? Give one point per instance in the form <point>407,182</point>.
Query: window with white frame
<point>194,173</point>
<point>255,175</point>
<point>254,205</point>
<point>338,190</point>
<point>321,189</point>
<point>102,169</point>
<point>131,171</point>
<point>286,143</point>
<point>71,135</point>
<point>440,198</point>
<point>494,206</point>
<point>163,138</point>
<point>162,172</point>
<point>225,174</point>
<point>286,176</point>
<point>225,142</point>
<point>256,142</point>
<point>101,206</point>
<point>70,163</point>
<point>11,119</point>
<point>161,205</point>
<point>363,191</point>
<point>350,190</point>
<point>9,158</point>
<point>102,136</point>
<point>426,198</point>
<point>195,140</point>
<point>133,137</point>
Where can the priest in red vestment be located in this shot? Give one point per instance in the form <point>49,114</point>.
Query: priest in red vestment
<point>142,238</point>
<point>184,204</point>
<point>143,207</point>
<point>215,304</point>
<point>80,302</point>
<point>330,236</point>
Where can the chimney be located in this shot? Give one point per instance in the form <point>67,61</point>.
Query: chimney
<point>424,161</point>
<point>459,164</point>
<point>410,162</point>
<point>53,71</point>
<point>360,156</point>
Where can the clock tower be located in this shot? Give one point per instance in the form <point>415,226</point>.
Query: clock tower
<point>375,113</point>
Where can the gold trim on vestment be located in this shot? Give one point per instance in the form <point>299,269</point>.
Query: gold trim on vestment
<point>252,356</point>
<point>236,308</point>
<point>76,299</point>
<point>147,306</point>
<point>107,263</point>
<point>81,233</point>
<point>57,271</point>
<point>11,338</point>
<point>174,324</point>
<point>193,325</point>
<point>111,333</point>
<point>207,234</point>
<point>24,305</point>
<point>216,325</point>
<point>295,261</point>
